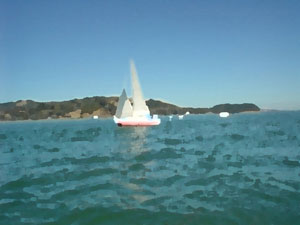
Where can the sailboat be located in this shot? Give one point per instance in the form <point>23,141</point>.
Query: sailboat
<point>138,113</point>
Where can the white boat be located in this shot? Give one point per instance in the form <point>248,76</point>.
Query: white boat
<point>95,117</point>
<point>137,114</point>
<point>224,114</point>
<point>180,117</point>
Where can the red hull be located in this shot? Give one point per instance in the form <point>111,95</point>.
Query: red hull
<point>137,123</point>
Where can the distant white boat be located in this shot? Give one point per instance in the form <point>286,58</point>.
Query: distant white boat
<point>95,117</point>
<point>180,117</point>
<point>187,113</point>
<point>224,114</point>
<point>170,117</point>
<point>137,114</point>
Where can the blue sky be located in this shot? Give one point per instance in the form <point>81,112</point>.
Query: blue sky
<point>190,53</point>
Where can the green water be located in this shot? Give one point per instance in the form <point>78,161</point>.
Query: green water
<point>203,169</point>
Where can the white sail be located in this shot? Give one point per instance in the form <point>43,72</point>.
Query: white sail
<point>124,108</point>
<point>139,105</point>
<point>138,114</point>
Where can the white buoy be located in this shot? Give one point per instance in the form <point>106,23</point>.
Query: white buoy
<point>224,114</point>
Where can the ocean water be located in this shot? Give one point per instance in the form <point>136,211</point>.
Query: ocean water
<point>244,169</point>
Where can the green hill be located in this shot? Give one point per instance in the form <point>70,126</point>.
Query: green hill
<point>100,106</point>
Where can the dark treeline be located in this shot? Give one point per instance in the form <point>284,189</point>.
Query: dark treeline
<point>101,106</point>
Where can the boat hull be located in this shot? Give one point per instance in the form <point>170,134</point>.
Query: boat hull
<point>136,122</point>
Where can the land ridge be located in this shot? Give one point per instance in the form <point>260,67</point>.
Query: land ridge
<point>101,106</point>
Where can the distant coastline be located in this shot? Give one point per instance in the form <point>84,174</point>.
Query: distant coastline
<point>101,107</point>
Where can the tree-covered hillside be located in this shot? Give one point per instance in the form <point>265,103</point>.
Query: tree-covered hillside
<point>100,106</point>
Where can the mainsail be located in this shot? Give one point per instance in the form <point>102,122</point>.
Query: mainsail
<point>124,108</point>
<point>138,114</point>
<point>139,105</point>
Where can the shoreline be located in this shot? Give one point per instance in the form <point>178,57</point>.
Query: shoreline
<point>56,119</point>
<point>111,117</point>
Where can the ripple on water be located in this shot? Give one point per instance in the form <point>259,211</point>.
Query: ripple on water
<point>200,170</point>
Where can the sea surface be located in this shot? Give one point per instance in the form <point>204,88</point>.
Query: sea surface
<point>244,169</point>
